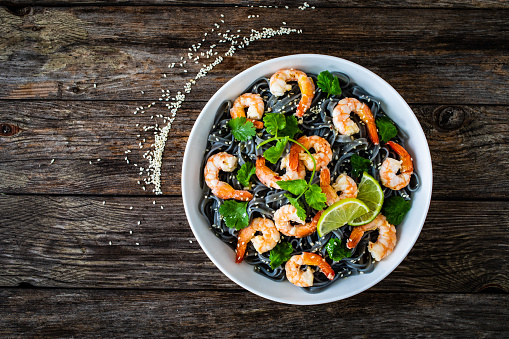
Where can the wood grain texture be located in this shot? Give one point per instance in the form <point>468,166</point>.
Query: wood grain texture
<point>461,139</point>
<point>51,241</point>
<point>225,314</point>
<point>488,4</point>
<point>60,53</point>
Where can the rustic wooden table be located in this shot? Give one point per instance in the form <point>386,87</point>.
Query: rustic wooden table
<point>86,248</point>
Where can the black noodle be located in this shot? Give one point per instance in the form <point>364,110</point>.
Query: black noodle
<point>317,121</point>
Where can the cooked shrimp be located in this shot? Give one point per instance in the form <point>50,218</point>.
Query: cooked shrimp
<point>386,238</point>
<point>302,278</point>
<point>390,168</point>
<point>262,243</point>
<point>342,121</point>
<point>344,183</point>
<point>270,178</point>
<point>224,162</point>
<point>255,110</point>
<point>322,156</point>
<point>278,87</point>
<point>288,213</point>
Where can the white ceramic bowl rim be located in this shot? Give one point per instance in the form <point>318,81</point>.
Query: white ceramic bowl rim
<point>223,257</point>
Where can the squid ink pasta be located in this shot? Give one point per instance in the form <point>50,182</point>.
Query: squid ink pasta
<point>339,129</point>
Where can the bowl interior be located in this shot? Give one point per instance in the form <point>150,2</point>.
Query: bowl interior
<point>243,274</point>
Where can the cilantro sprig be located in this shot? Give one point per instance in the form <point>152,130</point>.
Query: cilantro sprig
<point>359,165</point>
<point>279,254</point>
<point>328,83</point>
<point>386,128</point>
<point>336,251</point>
<point>284,129</point>
<point>242,129</point>
<point>395,208</point>
<point>234,214</point>
<point>245,172</point>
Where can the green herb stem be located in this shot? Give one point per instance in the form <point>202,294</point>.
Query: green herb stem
<point>267,141</point>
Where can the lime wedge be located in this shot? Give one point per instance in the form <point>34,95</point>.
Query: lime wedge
<point>370,192</point>
<point>339,214</point>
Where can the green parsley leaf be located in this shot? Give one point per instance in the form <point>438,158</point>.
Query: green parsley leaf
<point>315,197</point>
<point>274,153</point>
<point>279,254</point>
<point>291,128</point>
<point>395,209</point>
<point>386,128</point>
<point>242,129</point>
<point>328,83</point>
<point>245,172</point>
<point>301,212</point>
<point>336,251</point>
<point>273,122</point>
<point>296,187</point>
<point>234,214</point>
<point>359,165</point>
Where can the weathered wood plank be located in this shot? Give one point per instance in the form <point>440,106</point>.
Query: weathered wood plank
<point>55,53</point>
<point>51,241</point>
<point>491,4</point>
<point>69,313</point>
<point>462,140</point>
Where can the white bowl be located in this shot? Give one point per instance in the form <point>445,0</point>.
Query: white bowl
<point>224,258</point>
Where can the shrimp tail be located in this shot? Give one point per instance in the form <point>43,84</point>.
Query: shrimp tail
<point>243,239</point>
<point>406,165</point>
<point>257,124</point>
<point>314,259</point>
<point>327,189</point>
<point>355,237</point>
<point>242,195</point>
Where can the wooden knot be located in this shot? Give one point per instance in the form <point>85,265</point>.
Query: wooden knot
<point>7,130</point>
<point>75,89</point>
<point>18,10</point>
<point>450,118</point>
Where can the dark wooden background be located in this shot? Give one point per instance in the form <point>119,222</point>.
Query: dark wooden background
<point>60,276</point>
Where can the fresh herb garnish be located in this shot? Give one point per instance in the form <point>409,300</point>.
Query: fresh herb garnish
<point>395,209</point>
<point>242,129</point>
<point>234,214</point>
<point>315,197</point>
<point>328,83</point>
<point>245,172</point>
<point>336,251</point>
<point>284,129</point>
<point>386,128</point>
<point>296,187</point>
<point>301,212</point>
<point>291,128</point>
<point>279,254</point>
<point>359,165</point>
<point>274,153</point>
<point>274,122</point>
